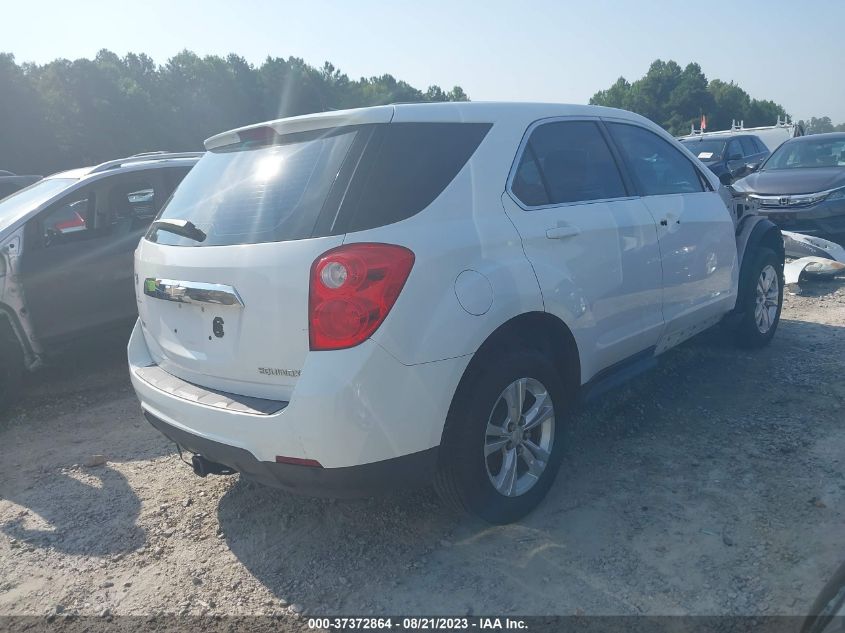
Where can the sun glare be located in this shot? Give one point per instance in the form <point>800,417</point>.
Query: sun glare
<point>268,167</point>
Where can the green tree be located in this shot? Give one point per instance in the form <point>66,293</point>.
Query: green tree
<point>820,125</point>
<point>689,99</point>
<point>675,99</point>
<point>617,96</point>
<point>730,102</point>
<point>66,113</point>
<point>24,138</point>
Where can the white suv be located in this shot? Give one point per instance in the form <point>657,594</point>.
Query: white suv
<point>351,301</point>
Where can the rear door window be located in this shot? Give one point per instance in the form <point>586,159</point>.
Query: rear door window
<point>734,151</point>
<point>748,147</point>
<point>657,166</point>
<point>566,161</point>
<point>132,202</point>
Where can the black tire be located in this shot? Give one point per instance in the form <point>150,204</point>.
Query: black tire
<point>11,367</point>
<point>746,332</point>
<point>462,479</point>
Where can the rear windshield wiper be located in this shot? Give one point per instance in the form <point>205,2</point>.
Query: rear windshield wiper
<point>185,228</point>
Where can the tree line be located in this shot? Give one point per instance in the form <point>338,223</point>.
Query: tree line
<point>66,114</point>
<point>676,98</point>
<point>821,125</point>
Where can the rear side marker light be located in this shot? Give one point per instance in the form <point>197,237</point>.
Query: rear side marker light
<point>298,461</point>
<point>352,289</point>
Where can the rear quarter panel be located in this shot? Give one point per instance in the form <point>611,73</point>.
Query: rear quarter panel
<point>465,228</point>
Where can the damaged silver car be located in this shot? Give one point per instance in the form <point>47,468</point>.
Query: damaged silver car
<point>66,250</point>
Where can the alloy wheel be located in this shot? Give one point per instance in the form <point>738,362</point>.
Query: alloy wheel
<point>768,293</point>
<point>519,437</point>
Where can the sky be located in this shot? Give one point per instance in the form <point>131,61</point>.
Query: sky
<point>538,50</point>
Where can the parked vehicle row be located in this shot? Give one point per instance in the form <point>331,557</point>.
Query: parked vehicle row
<point>66,245</point>
<point>368,299</point>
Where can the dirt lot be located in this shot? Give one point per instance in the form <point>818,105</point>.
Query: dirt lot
<point>712,485</point>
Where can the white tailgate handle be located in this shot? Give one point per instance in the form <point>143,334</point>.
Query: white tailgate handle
<point>562,231</point>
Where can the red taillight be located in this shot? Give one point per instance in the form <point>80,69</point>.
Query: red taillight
<point>352,289</point>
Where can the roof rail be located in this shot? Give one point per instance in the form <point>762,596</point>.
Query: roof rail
<point>142,158</point>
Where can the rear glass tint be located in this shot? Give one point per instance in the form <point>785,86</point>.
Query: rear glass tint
<point>405,167</point>
<point>269,193</point>
<point>320,183</point>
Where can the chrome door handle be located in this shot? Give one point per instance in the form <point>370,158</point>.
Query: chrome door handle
<point>560,232</point>
<point>192,292</point>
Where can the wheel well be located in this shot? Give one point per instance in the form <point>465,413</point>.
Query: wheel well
<point>764,235</point>
<point>773,239</point>
<point>538,331</point>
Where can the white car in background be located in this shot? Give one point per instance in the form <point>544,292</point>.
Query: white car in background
<point>352,301</point>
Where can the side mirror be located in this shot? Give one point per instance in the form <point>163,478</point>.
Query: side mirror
<point>751,167</point>
<point>726,178</point>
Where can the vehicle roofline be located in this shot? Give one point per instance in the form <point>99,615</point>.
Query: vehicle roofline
<point>451,111</point>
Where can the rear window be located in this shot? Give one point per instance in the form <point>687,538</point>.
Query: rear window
<point>319,183</point>
<point>267,193</point>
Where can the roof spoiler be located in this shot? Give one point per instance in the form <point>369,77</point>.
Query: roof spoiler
<point>306,123</point>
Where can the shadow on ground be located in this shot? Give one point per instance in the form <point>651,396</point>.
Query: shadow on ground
<point>91,516</point>
<point>78,374</point>
<point>726,440</point>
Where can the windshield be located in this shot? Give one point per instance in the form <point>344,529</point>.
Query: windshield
<point>22,201</point>
<point>808,153</point>
<point>705,149</point>
<point>264,194</point>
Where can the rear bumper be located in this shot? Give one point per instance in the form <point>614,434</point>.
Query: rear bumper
<point>349,408</point>
<point>409,471</point>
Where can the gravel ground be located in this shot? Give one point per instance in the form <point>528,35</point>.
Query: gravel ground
<point>712,485</point>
